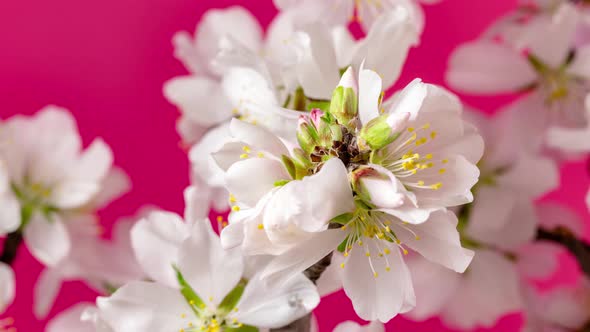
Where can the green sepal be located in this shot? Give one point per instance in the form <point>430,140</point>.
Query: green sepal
<point>230,301</point>
<point>289,165</point>
<point>281,183</point>
<point>537,64</point>
<point>342,219</point>
<point>323,105</point>
<point>344,105</point>
<point>377,133</point>
<point>342,245</point>
<point>191,297</point>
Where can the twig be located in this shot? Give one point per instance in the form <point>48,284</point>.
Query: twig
<point>578,248</point>
<point>314,272</point>
<point>11,245</point>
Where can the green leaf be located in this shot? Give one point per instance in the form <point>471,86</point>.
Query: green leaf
<point>232,298</point>
<point>191,297</point>
<point>243,328</point>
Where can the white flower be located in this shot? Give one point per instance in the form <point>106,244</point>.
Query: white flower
<point>7,287</point>
<point>49,175</point>
<point>291,207</point>
<point>365,12</point>
<point>210,288</point>
<point>82,317</point>
<point>543,59</point>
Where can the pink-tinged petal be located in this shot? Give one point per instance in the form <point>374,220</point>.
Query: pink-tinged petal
<point>46,291</point>
<point>235,22</point>
<point>580,66</point>
<point>485,67</point>
<point>380,187</point>
<point>10,217</point>
<point>531,175</point>
<point>553,215</point>
<point>350,326</point>
<point>250,179</point>
<point>186,52</point>
<point>156,241</point>
<point>304,255</point>
<point>274,306</point>
<point>115,184</point>
<point>218,270</point>
<point>344,44</point>
<point>570,140</point>
<point>94,163</point>
<point>437,240</point>
<point>370,89</point>
<point>146,306</point>
<point>47,238</point>
<point>435,287</point>
<point>7,286</point>
<point>489,290</point>
<point>538,260</point>
<point>382,297</point>
<point>331,280</point>
<point>201,100</point>
<point>74,193</point>
<point>567,306</point>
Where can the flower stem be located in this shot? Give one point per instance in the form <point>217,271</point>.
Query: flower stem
<point>564,237</point>
<point>11,245</point>
<point>314,272</point>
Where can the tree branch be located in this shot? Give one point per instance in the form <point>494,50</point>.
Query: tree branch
<point>564,237</point>
<point>11,245</point>
<point>314,272</point>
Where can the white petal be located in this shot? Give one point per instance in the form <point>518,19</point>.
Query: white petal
<point>485,67</point>
<point>370,89</point>
<point>156,241</point>
<point>382,297</point>
<point>46,290</point>
<point>201,99</point>
<point>258,137</point>
<point>217,272</point>
<point>435,287</point>
<point>531,175</point>
<point>350,326</point>
<point>73,194</point>
<point>538,260</point>
<point>145,306</point>
<point>437,240</point>
<point>552,215</point>
<point>196,204</point>
<point>304,255</point>
<point>310,204</point>
<point>115,184</point>
<point>383,188</point>
<point>94,163</point>
<point>331,280</point>
<point>489,291</point>
<point>71,320</point>
<point>248,180</point>
<point>566,307</point>
<point>235,21</point>
<point>7,286</point>
<point>47,239</point>
<point>386,46</point>
<point>410,99</point>
<point>580,66</point>
<point>274,306</point>
<point>204,164</point>
<point>10,218</point>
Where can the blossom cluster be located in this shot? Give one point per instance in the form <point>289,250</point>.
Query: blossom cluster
<point>408,200</point>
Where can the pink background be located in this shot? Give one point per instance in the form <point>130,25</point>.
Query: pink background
<point>106,62</point>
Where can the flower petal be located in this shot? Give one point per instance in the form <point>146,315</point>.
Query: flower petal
<point>71,320</point>
<point>250,179</point>
<point>47,238</point>
<point>46,290</point>
<point>7,286</point>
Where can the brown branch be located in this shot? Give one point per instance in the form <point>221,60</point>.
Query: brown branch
<point>314,272</point>
<point>11,245</point>
<point>577,247</point>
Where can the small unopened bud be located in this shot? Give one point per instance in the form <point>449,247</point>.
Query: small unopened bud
<point>374,187</point>
<point>344,103</point>
<point>383,130</point>
<point>307,134</point>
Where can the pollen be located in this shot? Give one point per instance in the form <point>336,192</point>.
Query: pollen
<point>420,183</point>
<point>426,126</point>
<point>246,149</point>
<point>341,265</point>
<point>386,251</point>
<point>442,171</point>
<point>244,156</point>
<point>232,198</point>
<point>444,161</point>
<point>375,274</point>
<point>433,135</point>
<point>405,251</point>
<point>235,208</point>
<point>368,254</point>
<point>436,186</point>
<point>260,226</point>
<point>428,156</point>
<point>411,129</point>
<point>260,155</point>
<point>387,268</point>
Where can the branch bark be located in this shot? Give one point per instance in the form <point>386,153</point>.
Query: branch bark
<point>314,272</point>
<point>578,248</point>
<point>11,245</point>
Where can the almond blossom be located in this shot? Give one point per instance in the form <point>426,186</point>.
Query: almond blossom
<point>349,187</point>
<point>46,177</point>
<point>213,292</point>
<point>542,60</point>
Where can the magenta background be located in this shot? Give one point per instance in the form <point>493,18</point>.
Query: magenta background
<point>106,62</point>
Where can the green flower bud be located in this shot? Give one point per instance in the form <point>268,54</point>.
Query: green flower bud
<point>307,135</point>
<point>344,103</point>
<point>383,130</point>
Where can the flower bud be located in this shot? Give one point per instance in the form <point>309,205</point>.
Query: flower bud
<point>307,134</point>
<point>344,103</point>
<point>383,129</point>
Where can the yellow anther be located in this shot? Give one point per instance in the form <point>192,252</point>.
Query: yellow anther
<point>235,208</point>
<point>260,226</point>
<point>387,268</point>
<point>211,298</point>
<point>429,165</point>
<point>235,111</point>
<point>219,218</point>
<point>260,155</point>
<point>436,186</point>
<point>183,316</point>
<point>433,135</point>
<point>375,274</point>
<point>360,243</point>
<point>342,265</point>
<point>244,156</point>
<point>444,161</point>
<point>246,149</point>
<point>191,302</point>
<point>420,183</point>
<point>442,171</point>
<point>368,254</point>
<point>232,198</point>
<point>387,229</point>
<point>428,156</point>
<point>386,251</point>
<point>426,126</point>
<point>343,227</point>
<point>346,254</point>
<point>411,129</point>
<point>417,238</point>
<point>405,251</point>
